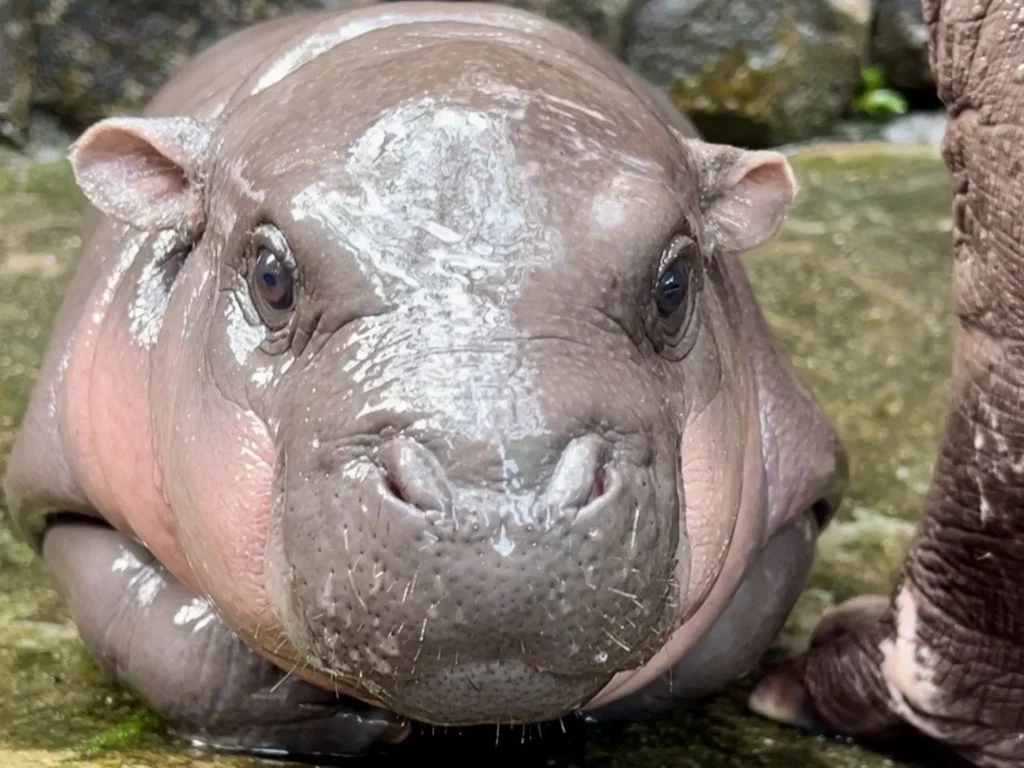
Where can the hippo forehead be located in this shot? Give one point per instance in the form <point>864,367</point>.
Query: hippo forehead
<point>471,160</point>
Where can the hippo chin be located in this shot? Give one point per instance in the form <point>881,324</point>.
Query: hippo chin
<point>411,354</point>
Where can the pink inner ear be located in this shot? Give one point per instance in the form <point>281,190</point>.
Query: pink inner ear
<point>140,171</point>
<point>769,174</point>
<point>765,176</point>
<point>127,173</point>
<point>753,200</point>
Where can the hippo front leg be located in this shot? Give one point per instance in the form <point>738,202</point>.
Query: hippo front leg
<point>173,651</point>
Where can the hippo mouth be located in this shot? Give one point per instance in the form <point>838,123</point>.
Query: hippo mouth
<point>459,605</point>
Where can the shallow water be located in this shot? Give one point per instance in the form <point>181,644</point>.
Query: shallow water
<point>857,287</point>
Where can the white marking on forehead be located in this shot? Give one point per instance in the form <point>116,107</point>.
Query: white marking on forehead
<point>575,107</point>
<point>440,208</point>
<point>430,172</point>
<point>245,185</point>
<point>146,313</point>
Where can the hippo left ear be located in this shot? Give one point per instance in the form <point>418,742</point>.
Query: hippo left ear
<point>746,195</point>
<point>146,172</point>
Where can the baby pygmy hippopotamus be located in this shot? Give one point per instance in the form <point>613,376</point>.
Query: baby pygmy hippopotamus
<point>411,373</point>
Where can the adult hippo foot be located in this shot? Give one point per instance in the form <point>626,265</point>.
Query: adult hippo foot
<point>945,655</point>
<point>173,651</point>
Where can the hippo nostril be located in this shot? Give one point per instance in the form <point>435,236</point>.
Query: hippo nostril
<point>414,476</point>
<point>600,486</point>
<point>579,479</point>
<point>823,512</point>
<point>394,488</point>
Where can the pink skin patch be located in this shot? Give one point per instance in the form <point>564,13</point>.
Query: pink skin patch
<point>228,467</point>
<point>111,434</point>
<point>218,458</point>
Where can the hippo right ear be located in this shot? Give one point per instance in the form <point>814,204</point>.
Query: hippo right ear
<point>146,172</point>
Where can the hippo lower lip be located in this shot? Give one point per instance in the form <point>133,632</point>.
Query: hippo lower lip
<point>461,605</point>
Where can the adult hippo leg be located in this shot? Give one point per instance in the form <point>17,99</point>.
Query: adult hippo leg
<point>149,633</point>
<point>946,653</point>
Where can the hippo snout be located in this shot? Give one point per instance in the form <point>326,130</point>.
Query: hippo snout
<point>480,584</point>
<point>582,483</point>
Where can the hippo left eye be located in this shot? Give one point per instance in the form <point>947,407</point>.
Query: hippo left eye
<point>274,280</point>
<point>272,277</point>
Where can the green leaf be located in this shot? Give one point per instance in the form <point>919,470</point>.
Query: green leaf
<point>882,102</point>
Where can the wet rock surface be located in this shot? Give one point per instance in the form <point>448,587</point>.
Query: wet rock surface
<point>82,60</point>
<point>754,72</point>
<point>857,286</point>
<point>17,54</point>
<point>899,43</point>
<point>751,72</point>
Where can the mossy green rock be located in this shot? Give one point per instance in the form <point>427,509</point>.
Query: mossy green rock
<point>856,285</point>
<point>754,72</point>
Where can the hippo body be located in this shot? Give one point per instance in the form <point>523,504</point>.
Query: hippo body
<point>410,373</point>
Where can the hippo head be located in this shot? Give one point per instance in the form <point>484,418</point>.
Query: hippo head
<point>455,389</point>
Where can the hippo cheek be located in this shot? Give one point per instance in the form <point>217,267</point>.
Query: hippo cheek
<point>216,459</point>
<point>223,492</point>
<point>737,640</point>
<point>725,521</point>
<point>104,409</point>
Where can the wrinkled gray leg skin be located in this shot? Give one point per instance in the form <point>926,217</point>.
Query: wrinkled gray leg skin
<point>739,637</point>
<point>945,653</point>
<point>151,635</point>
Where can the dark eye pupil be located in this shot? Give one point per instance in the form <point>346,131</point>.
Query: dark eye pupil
<point>672,287</point>
<point>275,281</point>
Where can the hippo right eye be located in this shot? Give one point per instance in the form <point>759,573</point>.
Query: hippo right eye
<point>675,297</point>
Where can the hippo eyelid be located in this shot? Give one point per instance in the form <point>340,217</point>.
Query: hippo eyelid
<point>674,335</point>
<point>268,239</point>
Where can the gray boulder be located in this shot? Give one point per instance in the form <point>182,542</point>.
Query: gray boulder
<point>899,44</point>
<point>96,58</point>
<point>16,56</point>
<point>754,72</point>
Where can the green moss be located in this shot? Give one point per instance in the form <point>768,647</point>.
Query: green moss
<point>731,85</point>
<point>124,733</point>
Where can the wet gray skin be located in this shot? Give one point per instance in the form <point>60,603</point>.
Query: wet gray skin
<point>410,352</point>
